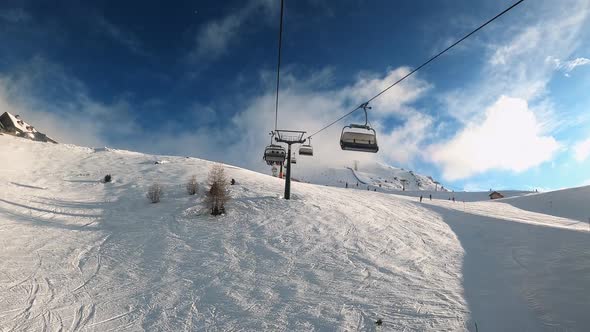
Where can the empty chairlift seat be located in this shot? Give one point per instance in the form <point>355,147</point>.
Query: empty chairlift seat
<point>359,138</point>
<point>305,150</point>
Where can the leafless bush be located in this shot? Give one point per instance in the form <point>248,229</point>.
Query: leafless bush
<point>218,194</point>
<point>192,186</point>
<point>154,193</point>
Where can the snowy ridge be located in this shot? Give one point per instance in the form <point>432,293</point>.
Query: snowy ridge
<point>78,254</point>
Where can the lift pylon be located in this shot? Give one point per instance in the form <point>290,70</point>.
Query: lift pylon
<point>289,137</point>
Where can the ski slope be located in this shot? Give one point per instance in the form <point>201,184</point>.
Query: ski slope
<point>570,203</point>
<point>461,196</point>
<point>78,254</point>
<point>373,175</point>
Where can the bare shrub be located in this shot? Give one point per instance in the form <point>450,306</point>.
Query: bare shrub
<point>192,186</point>
<point>154,193</point>
<point>218,194</point>
<point>107,178</point>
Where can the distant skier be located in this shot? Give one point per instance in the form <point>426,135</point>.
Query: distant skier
<point>346,184</point>
<point>375,189</point>
<point>420,198</point>
<point>430,196</point>
<point>357,184</point>
<point>233,181</point>
<point>453,199</point>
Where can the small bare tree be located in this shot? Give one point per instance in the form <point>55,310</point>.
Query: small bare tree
<point>192,186</point>
<point>218,194</point>
<point>154,193</point>
<point>403,181</point>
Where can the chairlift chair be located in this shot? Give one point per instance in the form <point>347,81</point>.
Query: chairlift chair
<point>306,149</point>
<point>274,154</point>
<point>357,137</point>
<point>293,159</point>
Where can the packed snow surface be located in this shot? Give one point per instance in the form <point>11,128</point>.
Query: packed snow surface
<point>79,254</point>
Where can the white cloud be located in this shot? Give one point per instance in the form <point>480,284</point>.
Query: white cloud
<point>214,38</point>
<point>69,115</point>
<point>402,145</point>
<point>517,63</point>
<point>567,66</point>
<point>510,133</point>
<point>572,64</point>
<point>508,138</point>
<point>305,107</point>
<point>517,67</point>
<point>582,150</point>
<point>395,98</point>
<point>521,45</point>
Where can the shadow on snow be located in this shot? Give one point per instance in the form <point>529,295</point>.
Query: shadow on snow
<point>522,277</point>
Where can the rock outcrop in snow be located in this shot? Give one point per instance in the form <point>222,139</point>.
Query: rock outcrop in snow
<point>14,125</point>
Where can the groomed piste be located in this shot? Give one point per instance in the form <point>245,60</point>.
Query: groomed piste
<point>81,255</point>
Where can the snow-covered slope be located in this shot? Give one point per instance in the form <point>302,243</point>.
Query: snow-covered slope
<point>573,203</point>
<point>78,254</point>
<point>462,196</point>
<point>374,175</point>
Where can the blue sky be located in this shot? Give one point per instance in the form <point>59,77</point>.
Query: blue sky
<point>509,108</point>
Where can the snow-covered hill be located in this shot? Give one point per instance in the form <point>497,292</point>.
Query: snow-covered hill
<point>78,254</point>
<point>463,196</point>
<point>573,203</point>
<point>374,175</point>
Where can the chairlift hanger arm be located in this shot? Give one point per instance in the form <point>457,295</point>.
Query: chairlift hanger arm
<point>290,136</point>
<point>366,106</point>
<point>291,131</point>
<point>291,141</point>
